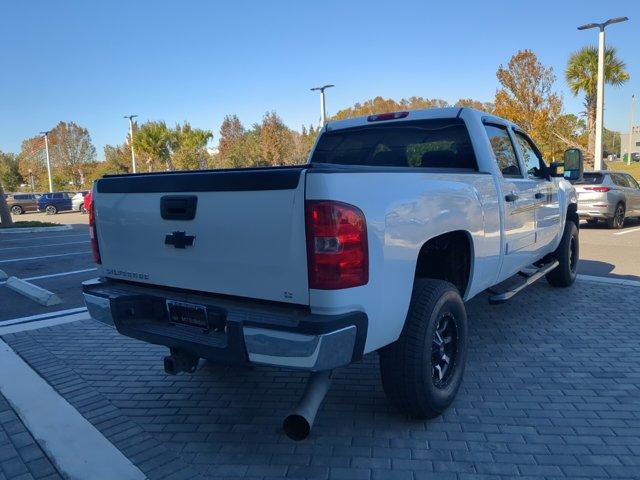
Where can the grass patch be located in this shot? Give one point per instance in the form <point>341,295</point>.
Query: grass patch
<point>31,223</point>
<point>633,169</point>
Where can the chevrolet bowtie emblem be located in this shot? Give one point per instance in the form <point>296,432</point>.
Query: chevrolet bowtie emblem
<point>179,240</point>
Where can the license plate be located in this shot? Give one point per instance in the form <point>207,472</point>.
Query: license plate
<point>188,314</point>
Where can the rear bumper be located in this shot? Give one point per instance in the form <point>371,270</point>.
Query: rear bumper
<point>254,332</point>
<point>596,209</point>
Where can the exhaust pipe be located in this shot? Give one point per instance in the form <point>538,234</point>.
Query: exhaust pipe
<point>180,361</point>
<point>297,425</point>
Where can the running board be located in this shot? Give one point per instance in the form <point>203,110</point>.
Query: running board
<point>524,279</point>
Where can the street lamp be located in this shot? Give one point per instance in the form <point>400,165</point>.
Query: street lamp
<point>633,101</point>
<point>600,89</point>
<point>133,155</point>
<point>323,110</point>
<point>46,146</point>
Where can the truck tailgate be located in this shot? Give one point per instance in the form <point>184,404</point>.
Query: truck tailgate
<point>248,231</point>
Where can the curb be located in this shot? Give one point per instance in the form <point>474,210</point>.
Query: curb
<point>609,280</point>
<point>33,292</point>
<point>13,231</point>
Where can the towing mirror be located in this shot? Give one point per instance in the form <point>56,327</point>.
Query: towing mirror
<point>573,164</point>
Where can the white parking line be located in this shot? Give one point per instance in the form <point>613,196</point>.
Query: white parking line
<point>43,316</point>
<point>40,277</point>
<point>631,230</point>
<point>72,443</point>
<point>4,249</point>
<point>24,259</point>
<point>42,238</point>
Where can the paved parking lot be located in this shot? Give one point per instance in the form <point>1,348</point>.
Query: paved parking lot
<point>552,389</point>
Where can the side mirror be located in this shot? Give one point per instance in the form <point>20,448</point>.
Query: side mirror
<point>573,164</point>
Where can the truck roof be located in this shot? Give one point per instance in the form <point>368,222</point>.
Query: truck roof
<point>423,114</point>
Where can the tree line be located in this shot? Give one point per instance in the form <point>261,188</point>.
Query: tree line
<point>525,95</point>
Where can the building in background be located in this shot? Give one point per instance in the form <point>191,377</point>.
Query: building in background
<point>635,141</point>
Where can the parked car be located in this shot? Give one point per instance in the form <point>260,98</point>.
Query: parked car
<point>609,196</point>
<point>373,246</point>
<point>20,203</point>
<point>52,203</point>
<point>87,201</point>
<point>77,202</point>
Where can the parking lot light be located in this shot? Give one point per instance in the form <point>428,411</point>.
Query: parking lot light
<point>600,88</point>
<point>46,147</point>
<point>133,155</point>
<point>323,110</point>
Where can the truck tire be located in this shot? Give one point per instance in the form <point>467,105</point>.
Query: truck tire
<point>422,371</point>
<point>568,255</point>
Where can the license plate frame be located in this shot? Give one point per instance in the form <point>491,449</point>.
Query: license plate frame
<point>189,314</point>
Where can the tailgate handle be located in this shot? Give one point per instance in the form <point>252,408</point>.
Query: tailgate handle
<point>178,207</point>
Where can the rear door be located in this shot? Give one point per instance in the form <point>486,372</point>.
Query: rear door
<point>518,194</point>
<point>633,195</point>
<point>545,192</point>
<point>237,232</point>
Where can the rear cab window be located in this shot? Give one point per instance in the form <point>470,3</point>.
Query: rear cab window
<point>439,143</point>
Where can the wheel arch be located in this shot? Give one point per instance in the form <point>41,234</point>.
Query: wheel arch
<point>448,256</point>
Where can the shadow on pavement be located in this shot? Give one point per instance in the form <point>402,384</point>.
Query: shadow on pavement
<point>602,269</point>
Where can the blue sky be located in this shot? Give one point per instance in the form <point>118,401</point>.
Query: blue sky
<point>93,62</point>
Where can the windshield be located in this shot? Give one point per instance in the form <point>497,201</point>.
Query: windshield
<point>589,179</point>
<point>442,143</point>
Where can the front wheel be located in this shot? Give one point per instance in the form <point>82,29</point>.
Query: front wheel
<point>51,210</point>
<point>568,256</point>
<point>422,371</point>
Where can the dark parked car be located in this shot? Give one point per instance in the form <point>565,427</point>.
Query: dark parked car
<point>20,203</point>
<point>52,203</point>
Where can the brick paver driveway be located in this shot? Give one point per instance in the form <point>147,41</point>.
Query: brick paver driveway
<point>552,390</point>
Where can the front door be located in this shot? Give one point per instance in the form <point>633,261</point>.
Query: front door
<point>545,194</point>
<point>519,204</point>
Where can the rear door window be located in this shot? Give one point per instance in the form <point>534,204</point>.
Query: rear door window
<point>632,182</point>
<point>441,143</point>
<point>503,150</point>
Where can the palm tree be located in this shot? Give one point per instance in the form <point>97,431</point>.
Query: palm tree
<point>582,76</point>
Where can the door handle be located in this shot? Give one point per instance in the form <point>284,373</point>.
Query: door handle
<point>511,197</point>
<point>539,195</point>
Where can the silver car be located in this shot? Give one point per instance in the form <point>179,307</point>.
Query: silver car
<point>609,196</point>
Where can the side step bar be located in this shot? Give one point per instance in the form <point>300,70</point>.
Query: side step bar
<point>526,280</point>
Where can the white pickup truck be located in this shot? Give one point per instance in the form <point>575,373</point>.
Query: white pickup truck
<point>374,245</point>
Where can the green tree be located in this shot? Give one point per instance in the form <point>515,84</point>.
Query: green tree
<point>582,76</point>
<point>32,161</point>
<point>276,141</point>
<point>71,152</point>
<point>9,172</point>
<point>189,147</point>
<point>152,142</point>
<point>231,133</point>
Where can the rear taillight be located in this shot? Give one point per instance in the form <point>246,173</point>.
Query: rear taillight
<point>337,249</point>
<point>93,234</point>
<point>598,189</point>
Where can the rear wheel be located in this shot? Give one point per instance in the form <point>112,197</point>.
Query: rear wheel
<point>617,221</point>
<point>17,210</point>
<point>422,371</point>
<point>568,256</point>
<point>51,210</point>
<point>82,209</point>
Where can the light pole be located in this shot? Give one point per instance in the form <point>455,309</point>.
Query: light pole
<point>600,89</point>
<point>323,110</point>
<point>633,101</point>
<point>46,147</point>
<point>31,182</point>
<point>133,155</point>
